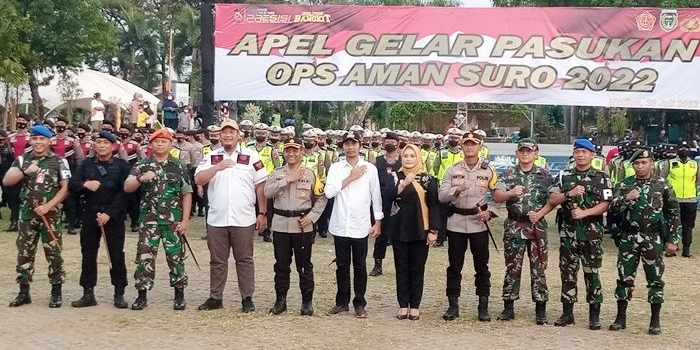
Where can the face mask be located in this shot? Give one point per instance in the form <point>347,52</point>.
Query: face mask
<point>81,135</point>
<point>375,144</point>
<point>137,139</point>
<point>329,141</point>
<point>246,133</point>
<point>437,144</point>
<point>683,153</point>
<point>340,144</point>
<point>274,140</point>
<point>426,146</point>
<point>180,139</point>
<point>390,147</point>
<point>124,135</point>
<point>60,128</point>
<point>21,125</point>
<point>214,141</point>
<point>309,145</point>
<point>402,144</point>
<point>453,143</point>
<point>260,138</point>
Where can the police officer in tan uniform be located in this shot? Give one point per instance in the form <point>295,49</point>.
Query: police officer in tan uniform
<point>298,202</point>
<point>464,187</point>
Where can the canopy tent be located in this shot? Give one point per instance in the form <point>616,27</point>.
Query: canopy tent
<point>113,90</point>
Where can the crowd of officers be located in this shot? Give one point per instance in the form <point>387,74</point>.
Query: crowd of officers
<point>633,188</point>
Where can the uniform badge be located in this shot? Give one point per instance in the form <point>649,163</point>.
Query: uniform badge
<point>607,194</point>
<point>216,158</point>
<point>668,20</point>
<point>243,159</point>
<point>40,178</point>
<point>258,165</point>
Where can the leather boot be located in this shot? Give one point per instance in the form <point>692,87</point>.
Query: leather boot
<point>508,311</point>
<point>179,300</point>
<point>307,308</point>
<point>541,313</point>
<point>594,316</point>
<point>280,304</point>
<point>56,296</point>
<point>483,309</point>
<point>655,324</point>
<point>141,301</point>
<point>686,251</point>
<point>377,269</point>
<point>621,318</point>
<point>88,299</point>
<point>452,310</point>
<point>23,297</point>
<point>119,301</point>
<point>567,317</point>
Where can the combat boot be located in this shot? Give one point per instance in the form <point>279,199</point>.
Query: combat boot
<point>88,299</point>
<point>655,324</point>
<point>594,316</point>
<point>567,317</point>
<point>307,308</point>
<point>541,313</point>
<point>621,318</point>
<point>141,301</point>
<point>483,309</point>
<point>508,311</point>
<point>440,241</point>
<point>12,227</point>
<point>119,301</point>
<point>56,296</point>
<point>377,269</point>
<point>23,297</point>
<point>280,304</point>
<point>179,300</point>
<point>452,310</point>
<point>686,251</point>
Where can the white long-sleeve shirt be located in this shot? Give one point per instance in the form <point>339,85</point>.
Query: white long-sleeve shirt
<point>351,210</point>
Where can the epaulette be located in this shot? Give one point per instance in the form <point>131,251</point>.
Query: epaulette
<point>485,164</point>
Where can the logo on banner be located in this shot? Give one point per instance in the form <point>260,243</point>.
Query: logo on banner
<point>645,21</point>
<point>238,16</point>
<point>691,25</point>
<point>669,20</point>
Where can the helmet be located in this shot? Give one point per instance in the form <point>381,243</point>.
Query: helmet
<point>356,128</point>
<point>428,136</point>
<point>384,130</point>
<point>480,132</point>
<point>246,122</point>
<point>309,133</point>
<point>455,131</point>
<point>275,129</point>
<point>261,126</point>
<point>416,135</point>
<point>307,126</point>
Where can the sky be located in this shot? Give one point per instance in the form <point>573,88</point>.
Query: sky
<point>476,3</point>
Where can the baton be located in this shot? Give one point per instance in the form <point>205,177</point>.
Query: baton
<point>104,235</point>
<point>187,243</point>
<point>48,227</point>
<point>488,229</point>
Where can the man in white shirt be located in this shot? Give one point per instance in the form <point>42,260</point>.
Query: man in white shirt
<point>354,184</point>
<point>236,178</point>
<point>97,112</point>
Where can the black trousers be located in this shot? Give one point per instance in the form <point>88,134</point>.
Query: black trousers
<point>13,201</point>
<point>688,213</point>
<point>324,219</point>
<point>409,261</point>
<point>442,234</point>
<point>345,250</point>
<point>459,242</point>
<point>70,208</point>
<point>299,245</point>
<point>90,239</point>
<point>133,202</point>
<point>381,242</point>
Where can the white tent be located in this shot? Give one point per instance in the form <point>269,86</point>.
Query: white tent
<point>113,90</point>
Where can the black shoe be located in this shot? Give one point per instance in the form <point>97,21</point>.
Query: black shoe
<point>508,311</point>
<point>483,309</point>
<point>134,228</point>
<point>200,213</point>
<point>452,310</point>
<point>621,318</point>
<point>377,269</point>
<point>119,301</point>
<point>56,296</point>
<point>71,232</point>
<point>179,300</point>
<point>141,301</point>
<point>280,305</point>
<point>594,316</point>
<point>12,227</point>
<point>440,241</point>
<point>323,233</point>
<point>211,304</point>
<point>88,299</point>
<point>23,297</point>
<point>567,318</point>
<point>337,309</point>
<point>307,308</point>
<point>655,324</point>
<point>247,305</point>
<point>541,313</point>
<point>686,252</point>
<point>266,235</point>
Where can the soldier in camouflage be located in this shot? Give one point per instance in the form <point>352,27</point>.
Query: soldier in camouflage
<point>650,223</point>
<point>166,197</point>
<point>525,189</point>
<point>584,194</point>
<point>44,180</point>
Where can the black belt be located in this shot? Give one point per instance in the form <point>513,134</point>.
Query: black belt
<point>291,213</point>
<point>518,217</point>
<point>471,211</point>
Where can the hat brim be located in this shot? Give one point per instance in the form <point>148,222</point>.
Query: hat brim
<point>351,139</point>
<point>292,145</point>
<point>471,139</point>
<point>530,147</point>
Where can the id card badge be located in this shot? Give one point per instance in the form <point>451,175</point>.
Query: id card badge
<point>40,178</point>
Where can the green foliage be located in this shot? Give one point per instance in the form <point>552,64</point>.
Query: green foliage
<point>11,47</point>
<point>402,113</point>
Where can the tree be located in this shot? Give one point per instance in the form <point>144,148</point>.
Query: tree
<point>70,91</point>
<point>11,47</point>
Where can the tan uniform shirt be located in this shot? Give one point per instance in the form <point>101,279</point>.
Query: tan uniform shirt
<point>304,194</point>
<point>480,179</point>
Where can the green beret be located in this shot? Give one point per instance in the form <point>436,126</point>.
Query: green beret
<point>641,153</point>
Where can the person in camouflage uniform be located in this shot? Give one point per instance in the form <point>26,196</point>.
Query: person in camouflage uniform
<point>166,190</point>
<point>584,194</point>
<point>525,189</point>
<point>649,224</point>
<point>44,180</point>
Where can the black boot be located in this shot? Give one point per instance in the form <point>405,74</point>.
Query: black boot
<point>483,309</point>
<point>621,318</point>
<point>200,213</point>
<point>377,269</point>
<point>655,324</point>
<point>440,241</point>
<point>12,227</point>
<point>141,301</point>
<point>119,301</point>
<point>541,313</point>
<point>508,311</point>
<point>134,227</point>
<point>323,233</point>
<point>307,308</point>
<point>267,236</point>
<point>452,310</point>
<point>56,296</point>
<point>23,297</point>
<point>88,299</point>
<point>179,300</point>
<point>567,318</point>
<point>594,316</point>
<point>280,304</point>
<point>686,251</point>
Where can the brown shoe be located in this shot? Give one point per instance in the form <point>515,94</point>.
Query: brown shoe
<point>360,312</point>
<point>337,309</point>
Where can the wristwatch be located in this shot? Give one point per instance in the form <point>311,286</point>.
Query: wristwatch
<point>263,213</point>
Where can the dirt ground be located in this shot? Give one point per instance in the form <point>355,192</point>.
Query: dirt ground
<point>36,326</point>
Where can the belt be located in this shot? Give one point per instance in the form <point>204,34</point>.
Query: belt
<point>291,213</point>
<point>471,211</point>
<point>518,217</point>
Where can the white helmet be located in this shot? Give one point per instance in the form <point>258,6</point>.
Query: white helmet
<point>275,129</point>
<point>384,130</point>
<point>356,128</point>
<point>455,131</point>
<point>261,126</point>
<point>307,126</point>
<point>480,132</point>
<point>428,136</point>
<point>416,135</point>
<point>246,122</point>
<point>309,133</point>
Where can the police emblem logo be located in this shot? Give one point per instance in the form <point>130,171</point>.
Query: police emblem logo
<point>646,21</point>
<point>690,25</point>
<point>668,20</point>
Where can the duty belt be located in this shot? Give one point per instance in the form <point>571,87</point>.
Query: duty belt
<point>471,211</point>
<point>291,213</point>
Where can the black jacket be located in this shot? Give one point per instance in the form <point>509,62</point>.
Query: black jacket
<point>110,197</point>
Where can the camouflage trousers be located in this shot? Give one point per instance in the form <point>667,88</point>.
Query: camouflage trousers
<point>633,248</point>
<point>30,231</point>
<point>147,249</point>
<point>589,254</point>
<point>514,252</point>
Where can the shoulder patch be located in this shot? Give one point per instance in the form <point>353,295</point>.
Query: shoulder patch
<point>258,165</point>
<point>485,164</point>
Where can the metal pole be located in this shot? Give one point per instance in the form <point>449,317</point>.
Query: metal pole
<point>532,124</point>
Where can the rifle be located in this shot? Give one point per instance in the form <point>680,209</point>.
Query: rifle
<point>52,235</point>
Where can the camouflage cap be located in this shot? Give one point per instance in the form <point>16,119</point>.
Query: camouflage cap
<point>527,143</point>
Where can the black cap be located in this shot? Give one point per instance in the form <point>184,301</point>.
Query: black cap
<point>85,127</point>
<point>49,122</point>
<point>684,144</point>
<point>24,116</point>
<point>108,122</point>
<point>127,127</point>
<point>392,136</point>
<point>352,135</point>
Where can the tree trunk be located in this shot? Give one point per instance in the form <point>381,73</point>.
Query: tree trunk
<point>36,98</point>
